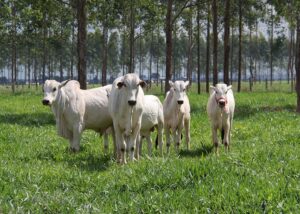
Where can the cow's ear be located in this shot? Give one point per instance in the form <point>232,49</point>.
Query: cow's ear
<point>171,83</point>
<point>187,83</point>
<point>212,87</point>
<point>143,84</point>
<point>229,88</point>
<point>63,84</point>
<point>120,84</point>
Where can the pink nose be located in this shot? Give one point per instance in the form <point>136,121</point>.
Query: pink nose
<point>222,102</point>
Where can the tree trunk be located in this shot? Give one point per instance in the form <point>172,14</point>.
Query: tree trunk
<point>198,48</point>
<point>190,46</point>
<point>105,51</point>
<point>150,60</point>
<point>271,47</point>
<point>81,42</point>
<point>226,41</point>
<point>290,56</point>
<point>44,47</point>
<point>240,46</point>
<point>207,49</point>
<point>297,65</point>
<point>131,40</point>
<point>28,66</point>
<point>215,41</point>
<point>231,55</point>
<point>251,59</point>
<point>72,52</point>
<point>168,45</point>
<point>13,48</point>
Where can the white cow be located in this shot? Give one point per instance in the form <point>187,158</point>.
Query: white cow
<point>177,113</point>
<point>153,117</point>
<point>76,110</point>
<point>126,103</point>
<point>220,109</point>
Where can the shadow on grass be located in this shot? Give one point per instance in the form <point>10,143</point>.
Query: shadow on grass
<point>34,119</point>
<point>246,111</point>
<point>203,151</point>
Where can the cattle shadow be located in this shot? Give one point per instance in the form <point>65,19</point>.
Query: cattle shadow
<point>245,111</point>
<point>199,152</point>
<point>32,119</point>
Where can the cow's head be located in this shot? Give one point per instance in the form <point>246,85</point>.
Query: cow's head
<point>50,89</point>
<point>220,91</point>
<point>179,88</point>
<point>131,84</point>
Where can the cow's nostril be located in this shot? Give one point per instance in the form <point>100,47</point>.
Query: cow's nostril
<point>180,102</point>
<point>131,102</point>
<point>45,102</point>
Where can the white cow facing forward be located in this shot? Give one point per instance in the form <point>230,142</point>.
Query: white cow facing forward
<point>76,110</point>
<point>177,113</point>
<point>220,109</point>
<point>153,117</point>
<point>126,103</point>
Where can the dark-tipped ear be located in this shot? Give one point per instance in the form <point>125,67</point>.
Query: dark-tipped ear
<point>63,84</point>
<point>143,84</point>
<point>120,84</point>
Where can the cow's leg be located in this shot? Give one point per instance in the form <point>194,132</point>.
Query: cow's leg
<point>105,140</point>
<point>132,140</point>
<point>226,135</point>
<point>177,137</point>
<point>113,134</point>
<point>149,144</point>
<point>160,138</point>
<point>138,147</point>
<point>77,130</point>
<point>168,143</point>
<point>187,133</point>
<point>215,138</point>
<point>120,144</point>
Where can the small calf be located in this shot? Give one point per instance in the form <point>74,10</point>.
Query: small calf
<point>220,109</point>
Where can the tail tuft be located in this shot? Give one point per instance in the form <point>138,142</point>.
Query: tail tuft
<point>156,141</point>
<point>222,134</point>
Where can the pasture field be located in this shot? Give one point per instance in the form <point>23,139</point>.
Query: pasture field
<point>261,174</point>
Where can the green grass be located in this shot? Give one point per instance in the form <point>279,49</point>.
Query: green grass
<point>261,174</point>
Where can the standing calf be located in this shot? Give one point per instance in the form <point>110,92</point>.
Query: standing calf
<point>177,113</point>
<point>153,117</point>
<point>220,109</point>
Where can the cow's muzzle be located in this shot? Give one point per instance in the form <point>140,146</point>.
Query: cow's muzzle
<point>46,102</point>
<point>222,103</point>
<point>180,102</point>
<point>131,102</point>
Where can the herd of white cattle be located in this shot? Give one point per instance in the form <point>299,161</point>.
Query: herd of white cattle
<point>122,110</point>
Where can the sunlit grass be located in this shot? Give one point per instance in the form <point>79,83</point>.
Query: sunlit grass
<point>260,174</point>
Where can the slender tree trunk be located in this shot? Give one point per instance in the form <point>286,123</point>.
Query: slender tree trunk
<point>198,48</point>
<point>175,75</point>
<point>226,41</point>
<point>271,47</point>
<point>215,41</point>
<point>72,51</point>
<point>190,47</point>
<point>150,60</point>
<point>141,60</point>
<point>240,46</point>
<point>231,56</point>
<point>251,58</point>
<point>297,65</point>
<point>44,47</point>
<point>13,48</point>
<point>28,65</point>
<point>207,50</point>
<point>105,52</point>
<point>168,45</point>
<point>81,42</point>
<point>290,56</point>
<point>131,45</point>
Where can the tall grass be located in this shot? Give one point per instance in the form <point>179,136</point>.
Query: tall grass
<point>260,174</point>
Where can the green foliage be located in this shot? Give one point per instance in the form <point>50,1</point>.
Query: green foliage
<point>259,175</point>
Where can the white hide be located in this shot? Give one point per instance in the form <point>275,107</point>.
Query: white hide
<point>177,113</point>
<point>76,110</point>
<point>220,109</point>
<point>126,103</point>
<point>152,118</point>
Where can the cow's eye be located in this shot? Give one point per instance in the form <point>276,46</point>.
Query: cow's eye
<point>54,89</point>
<point>174,89</point>
<point>183,89</point>
<point>124,85</point>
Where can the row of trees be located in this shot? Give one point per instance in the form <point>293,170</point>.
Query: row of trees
<point>190,38</point>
